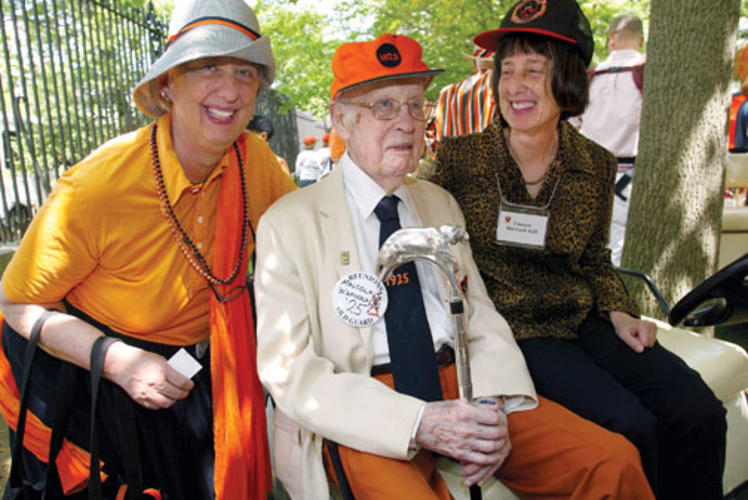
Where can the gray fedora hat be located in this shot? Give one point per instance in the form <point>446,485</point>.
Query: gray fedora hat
<point>206,28</point>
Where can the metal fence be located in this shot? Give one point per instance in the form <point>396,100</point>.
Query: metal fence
<point>65,87</point>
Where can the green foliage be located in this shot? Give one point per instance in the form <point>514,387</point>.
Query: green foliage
<point>304,40</point>
<point>303,56</point>
<point>162,7</point>
<point>601,13</point>
<point>445,29</point>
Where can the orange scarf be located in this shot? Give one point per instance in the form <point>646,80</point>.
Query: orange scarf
<point>242,463</point>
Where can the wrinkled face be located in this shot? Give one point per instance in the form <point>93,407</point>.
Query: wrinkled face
<point>212,100</point>
<point>384,149</point>
<point>525,97</point>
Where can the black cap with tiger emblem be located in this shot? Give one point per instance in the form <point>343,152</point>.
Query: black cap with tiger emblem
<point>560,19</point>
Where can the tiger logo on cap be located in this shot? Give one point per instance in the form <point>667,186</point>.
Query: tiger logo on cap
<point>388,55</point>
<point>528,10</point>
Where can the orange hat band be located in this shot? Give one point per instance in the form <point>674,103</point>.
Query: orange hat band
<point>213,20</point>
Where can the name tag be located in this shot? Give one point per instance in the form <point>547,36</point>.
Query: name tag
<point>521,228</point>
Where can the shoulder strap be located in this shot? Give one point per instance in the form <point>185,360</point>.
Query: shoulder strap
<point>98,351</point>
<point>591,72</point>
<point>16,460</point>
<point>637,73</point>
<point>63,403</point>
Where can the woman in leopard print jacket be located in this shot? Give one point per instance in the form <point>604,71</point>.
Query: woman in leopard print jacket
<point>537,197</point>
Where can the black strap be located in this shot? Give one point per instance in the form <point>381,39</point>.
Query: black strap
<point>337,465</point>
<point>63,403</point>
<point>621,185</point>
<point>128,434</point>
<point>16,460</point>
<point>637,73</point>
<point>98,351</point>
<point>616,69</point>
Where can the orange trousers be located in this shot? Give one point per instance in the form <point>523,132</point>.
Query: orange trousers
<point>555,454</point>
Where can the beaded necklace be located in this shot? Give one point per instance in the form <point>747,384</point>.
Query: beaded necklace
<point>189,249</point>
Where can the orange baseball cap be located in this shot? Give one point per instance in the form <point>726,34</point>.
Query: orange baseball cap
<point>387,57</point>
<point>310,139</point>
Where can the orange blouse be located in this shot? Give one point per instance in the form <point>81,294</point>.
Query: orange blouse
<point>102,240</point>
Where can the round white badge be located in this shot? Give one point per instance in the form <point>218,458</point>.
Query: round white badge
<point>359,299</point>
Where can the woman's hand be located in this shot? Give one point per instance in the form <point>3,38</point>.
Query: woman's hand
<point>146,377</point>
<point>637,333</point>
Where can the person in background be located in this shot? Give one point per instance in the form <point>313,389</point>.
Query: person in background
<point>377,385</point>
<point>466,106</point>
<point>612,116</point>
<point>262,126</point>
<point>307,163</point>
<point>537,197</point>
<point>141,252</point>
<point>323,154</point>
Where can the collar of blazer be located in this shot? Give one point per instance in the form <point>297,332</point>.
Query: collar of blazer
<point>337,226</point>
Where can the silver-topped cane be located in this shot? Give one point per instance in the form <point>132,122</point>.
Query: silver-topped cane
<point>431,245</point>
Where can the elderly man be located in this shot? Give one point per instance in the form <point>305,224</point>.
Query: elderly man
<point>381,394</point>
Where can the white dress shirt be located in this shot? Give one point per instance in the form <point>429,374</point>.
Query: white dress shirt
<point>612,116</point>
<point>363,194</point>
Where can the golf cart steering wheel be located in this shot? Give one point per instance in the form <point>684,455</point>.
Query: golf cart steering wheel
<point>719,300</point>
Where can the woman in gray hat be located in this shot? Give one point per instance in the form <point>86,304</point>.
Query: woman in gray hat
<point>537,198</point>
<point>136,269</point>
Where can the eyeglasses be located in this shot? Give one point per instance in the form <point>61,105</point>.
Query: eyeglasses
<point>389,109</point>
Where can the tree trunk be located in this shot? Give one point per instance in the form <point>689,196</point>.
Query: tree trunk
<point>675,215</point>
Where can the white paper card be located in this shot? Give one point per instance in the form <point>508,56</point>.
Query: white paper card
<point>523,229</point>
<point>184,363</point>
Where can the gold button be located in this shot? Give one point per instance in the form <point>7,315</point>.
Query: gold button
<point>199,245</point>
<point>199,219</point>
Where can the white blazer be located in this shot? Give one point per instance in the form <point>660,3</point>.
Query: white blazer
<point>317,367</point>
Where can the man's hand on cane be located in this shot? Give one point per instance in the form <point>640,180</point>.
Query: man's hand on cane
<point>478,474</point>
<point>476,435</point>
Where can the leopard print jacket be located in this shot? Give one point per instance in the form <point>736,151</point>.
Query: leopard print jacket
<point>549,292</point>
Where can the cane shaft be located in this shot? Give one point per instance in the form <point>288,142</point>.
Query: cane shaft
<point>462,357</point>
<point>475,492</point>
<point>462,362</point>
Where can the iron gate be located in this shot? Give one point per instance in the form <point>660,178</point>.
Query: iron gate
<point>68,70</point>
